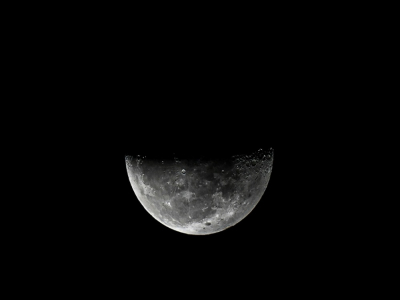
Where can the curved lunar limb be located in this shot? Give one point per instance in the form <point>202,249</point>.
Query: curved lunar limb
<point>201,196</point>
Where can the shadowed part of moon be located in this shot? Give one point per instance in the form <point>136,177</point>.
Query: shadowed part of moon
<point>200,196</point>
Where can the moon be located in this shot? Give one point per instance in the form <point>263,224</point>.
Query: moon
<point>200,196</point>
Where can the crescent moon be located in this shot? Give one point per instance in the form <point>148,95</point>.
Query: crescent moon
<point>200,197</point>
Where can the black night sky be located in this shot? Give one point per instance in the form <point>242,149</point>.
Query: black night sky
<point>165,111</point>
<point>177,121</point>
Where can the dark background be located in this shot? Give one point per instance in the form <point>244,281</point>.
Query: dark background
<point>193,118</point>
<point>195,103</point>
<point>131,87</point>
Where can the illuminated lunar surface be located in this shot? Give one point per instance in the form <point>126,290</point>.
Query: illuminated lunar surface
<point>200,197</point>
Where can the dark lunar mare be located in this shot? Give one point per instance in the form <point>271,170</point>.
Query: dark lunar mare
<point>200,196</point>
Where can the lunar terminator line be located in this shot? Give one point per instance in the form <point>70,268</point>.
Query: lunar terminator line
<point>201,196</point>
